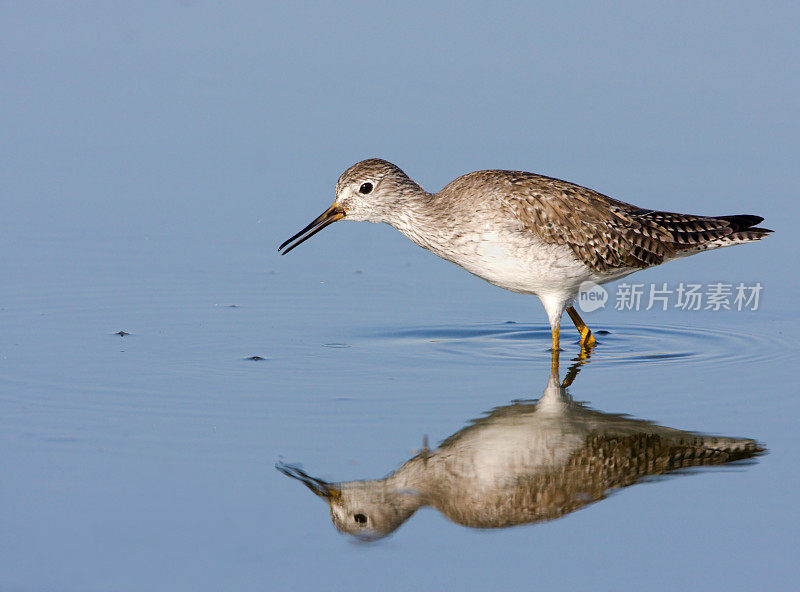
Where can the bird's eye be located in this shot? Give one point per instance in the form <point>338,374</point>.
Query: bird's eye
<point>365,188</point>
<point>360,519</point>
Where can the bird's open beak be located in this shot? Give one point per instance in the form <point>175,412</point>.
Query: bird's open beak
<point>321,488</point>
<point>329,216</point>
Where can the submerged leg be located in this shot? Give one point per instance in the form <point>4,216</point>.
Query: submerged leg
<point>577,363</point>
<point>573,370</point>
<point>554,355</point>
<point>587,339</point>
<point>555,331</point>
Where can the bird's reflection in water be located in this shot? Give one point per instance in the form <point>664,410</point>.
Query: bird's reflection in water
<point>522,463</point>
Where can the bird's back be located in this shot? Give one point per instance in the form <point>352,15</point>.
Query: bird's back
<point>604,233</point>
<point>615,452</point>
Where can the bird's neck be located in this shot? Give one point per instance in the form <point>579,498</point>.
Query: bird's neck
<point>421,474</point>
<point>422,218</point>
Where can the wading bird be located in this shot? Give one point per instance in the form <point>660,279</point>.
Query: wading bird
<point>528,233</point>
<point>530,461</point>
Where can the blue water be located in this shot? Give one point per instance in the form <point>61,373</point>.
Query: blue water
<point>151,161</point>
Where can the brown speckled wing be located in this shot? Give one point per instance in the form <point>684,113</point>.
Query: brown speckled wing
<point>607,234</point>
<point>605,462</point>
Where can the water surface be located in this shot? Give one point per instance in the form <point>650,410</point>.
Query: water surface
<point>152,161</point>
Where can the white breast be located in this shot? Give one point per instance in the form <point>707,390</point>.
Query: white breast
<point>520,262</point>
<point>506,450</point>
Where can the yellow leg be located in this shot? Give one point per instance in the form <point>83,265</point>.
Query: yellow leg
<point>554,363</point>
<point>555,339</point>
<point>587,339</point>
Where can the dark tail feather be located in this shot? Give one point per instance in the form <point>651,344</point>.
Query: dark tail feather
<point>741,228</point>
<point>692,234</point>
<point>740,222</point>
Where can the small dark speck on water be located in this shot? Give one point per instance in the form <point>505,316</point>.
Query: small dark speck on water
<point>358,272</point>
<point>122,333</point>
<point>232,306</point>
<point>336,345</point>
<point>511,322</point>
<point>603,332</point>
<point>255,358</point>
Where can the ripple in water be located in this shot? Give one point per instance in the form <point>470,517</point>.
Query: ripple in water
<point>620,344</point>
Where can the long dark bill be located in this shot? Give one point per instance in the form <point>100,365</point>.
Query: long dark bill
<point>318,486</point>
<point>329,216</point>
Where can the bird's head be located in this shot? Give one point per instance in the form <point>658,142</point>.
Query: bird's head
<point>372,190</point>
<point>368,510</point>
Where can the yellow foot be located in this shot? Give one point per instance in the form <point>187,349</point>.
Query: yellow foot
<point>587,339</point>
